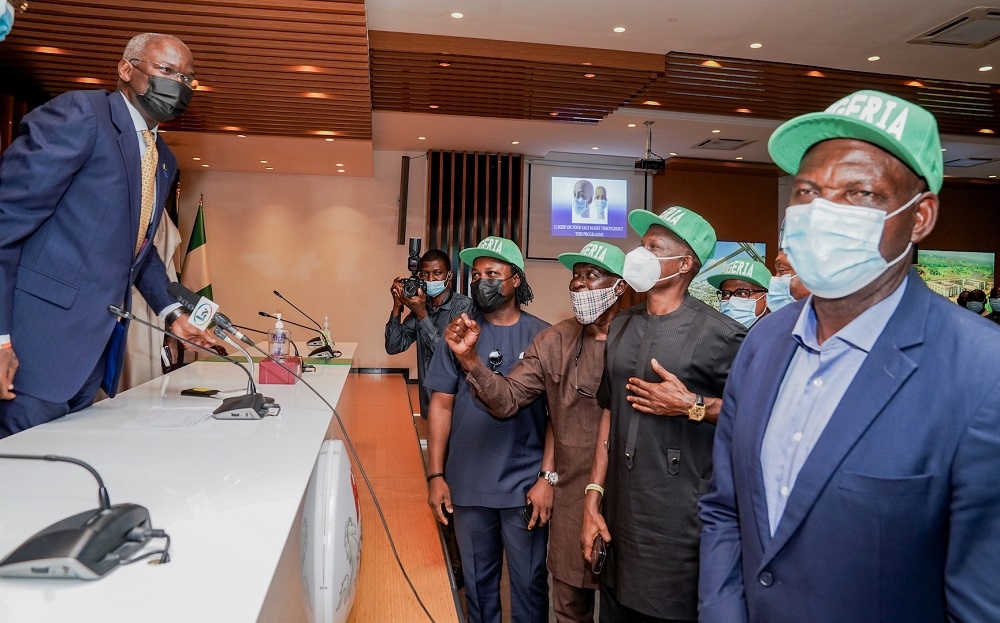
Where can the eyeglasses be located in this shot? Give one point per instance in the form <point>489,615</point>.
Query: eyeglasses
<point>168,72</point>
<point>741,293</point>
<point>576,372</point>
<point>496,358</point>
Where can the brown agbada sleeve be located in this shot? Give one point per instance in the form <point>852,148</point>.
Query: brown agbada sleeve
<point>504,396</point>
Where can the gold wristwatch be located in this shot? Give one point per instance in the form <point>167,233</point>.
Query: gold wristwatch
<point>696,412</point>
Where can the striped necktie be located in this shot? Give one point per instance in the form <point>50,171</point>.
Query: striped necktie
<point>149,160</point>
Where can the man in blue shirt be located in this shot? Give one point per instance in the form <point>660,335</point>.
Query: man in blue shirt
<point>483,469</point>
<point>859,440</point>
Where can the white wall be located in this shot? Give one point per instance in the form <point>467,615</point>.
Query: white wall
<point>328,244</point>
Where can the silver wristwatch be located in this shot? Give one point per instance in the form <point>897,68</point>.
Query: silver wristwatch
<point>551,477</point>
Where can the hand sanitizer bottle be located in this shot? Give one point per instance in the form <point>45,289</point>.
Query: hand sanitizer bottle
<point>278,339</point>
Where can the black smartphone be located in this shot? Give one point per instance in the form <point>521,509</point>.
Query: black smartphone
<point>598,554</point>
<point>526,513</point>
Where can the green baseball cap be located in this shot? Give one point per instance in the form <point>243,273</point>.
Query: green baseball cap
<point>607,256</point>
<point>498,248</point>
<point>690,226</point>
<point>744,270</point>
<point>902,128</point>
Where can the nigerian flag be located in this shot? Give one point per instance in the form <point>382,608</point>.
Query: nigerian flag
<point>194,273</point>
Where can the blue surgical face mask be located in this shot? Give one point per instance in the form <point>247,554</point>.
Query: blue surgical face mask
<point>974,306</point>
<point>743,311</point>
<point>835,247</point>
<point>995,304</point>
<point>6,19</point>
<point>579,205</point>
<point>435,287</point>
<point>779,292</point>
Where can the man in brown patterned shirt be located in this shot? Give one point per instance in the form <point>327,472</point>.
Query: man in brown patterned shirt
<point>565,362</point>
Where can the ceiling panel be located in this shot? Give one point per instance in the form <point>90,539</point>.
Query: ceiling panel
<point>295,68</point>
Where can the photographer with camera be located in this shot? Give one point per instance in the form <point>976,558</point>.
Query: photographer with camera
<point>432,302</point>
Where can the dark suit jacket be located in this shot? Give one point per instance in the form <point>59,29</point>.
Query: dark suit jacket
<point>895,516</point>
<point>70,191</point>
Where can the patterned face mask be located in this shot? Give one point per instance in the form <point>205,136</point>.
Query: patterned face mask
<point>588,305</point>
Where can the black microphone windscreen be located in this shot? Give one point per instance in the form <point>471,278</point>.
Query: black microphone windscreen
<point>185,297</point>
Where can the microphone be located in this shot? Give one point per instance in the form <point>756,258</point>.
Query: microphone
<point>88,545</point>
<point>285,320</point>
<point>252,406</point>
<point>192,302</point>
<point>326,350</point>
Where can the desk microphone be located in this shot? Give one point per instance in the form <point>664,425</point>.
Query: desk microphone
<point>251,406</point>
<point>190,301</point>
<point>326,349</point>
<point>88,545</point>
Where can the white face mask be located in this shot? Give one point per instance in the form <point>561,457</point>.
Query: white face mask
<point>834,247</point>
<point>779,292</point>
<point>642,269</point>
<point>588,305</point>
<point>600,205</point>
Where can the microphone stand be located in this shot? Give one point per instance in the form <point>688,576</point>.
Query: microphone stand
<point>326,350</point>
<point>251,406</point>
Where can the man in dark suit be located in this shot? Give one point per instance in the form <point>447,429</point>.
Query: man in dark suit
<point>82,190</point>
<point>857,451</point>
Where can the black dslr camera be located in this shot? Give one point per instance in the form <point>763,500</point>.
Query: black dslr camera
<point>413,284</point>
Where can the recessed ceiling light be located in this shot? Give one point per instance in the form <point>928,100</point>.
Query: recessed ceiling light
<point>421,138</point>
<point>433,106</point>
<point>739,157</point>
<point>263,161</point>
<point>268,168</point>
<point>196,158</point>
<point>595,147</point>
<point>231,128</point>
<point>986,131</point>
<point>444,64</point>
<point>992,176</point>
<point>618,29</point>
<point>457,15</point>
<point>986,68</point>
<point>47,50</point>
<point>743,110</point>
<point>710,64</point>
<point>588,64</point>
<point>515,142</point>
<point>874,58</point>
<point>341,171</point>
<point>673,153</point>
<point>329,140</point>
<point>307,69</point>
<point>318,96</point>
<point>553,114</point>
<point>241,135</point>
<point>205,165</point>
<point>339,164</point>
<point>756,46</point>
<point>203,87</point>
<point>915,83</point>
<point>589,75</point>
<point>716,131</point>
<point>631,125</point>
<point>650,103</point>
<point>816,74</point>
<point>88,80</point>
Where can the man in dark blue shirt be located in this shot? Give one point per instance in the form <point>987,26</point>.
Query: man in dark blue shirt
<point>483,469</point>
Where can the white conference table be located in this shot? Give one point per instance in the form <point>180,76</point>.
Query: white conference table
<point>226,492</point>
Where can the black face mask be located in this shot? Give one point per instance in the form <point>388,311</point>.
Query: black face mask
<point>165,99</point>
<point>488,294</point>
